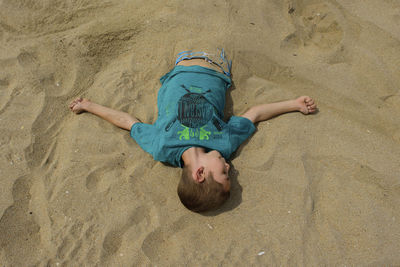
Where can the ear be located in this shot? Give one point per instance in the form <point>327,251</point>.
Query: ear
<point>200,175</point>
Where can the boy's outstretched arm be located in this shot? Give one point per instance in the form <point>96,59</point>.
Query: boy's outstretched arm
<point>118,118</point>
<point>304,104</point>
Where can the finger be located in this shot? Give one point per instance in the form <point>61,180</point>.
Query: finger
<point>74,101</point>
<point>313,106</point>
<point>310,101</point>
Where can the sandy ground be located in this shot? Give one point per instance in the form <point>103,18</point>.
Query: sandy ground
<point>320,190</point>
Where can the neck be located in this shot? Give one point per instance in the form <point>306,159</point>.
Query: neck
<point>192,156</point>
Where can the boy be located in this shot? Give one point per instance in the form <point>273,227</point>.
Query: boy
<point>189,131</point>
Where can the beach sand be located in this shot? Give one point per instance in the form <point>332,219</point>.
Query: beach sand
<point>317,190</point>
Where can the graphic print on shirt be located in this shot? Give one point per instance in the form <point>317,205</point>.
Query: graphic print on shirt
<point>194,112</point>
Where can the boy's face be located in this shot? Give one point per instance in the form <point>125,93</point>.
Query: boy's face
<point>218,167</point>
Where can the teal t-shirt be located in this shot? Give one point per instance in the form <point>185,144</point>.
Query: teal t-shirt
<point>190,105</point>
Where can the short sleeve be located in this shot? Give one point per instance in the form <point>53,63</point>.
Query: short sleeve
<point>240,129</point>
<point>144,134</point>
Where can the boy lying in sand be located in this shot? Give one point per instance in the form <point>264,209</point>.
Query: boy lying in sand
<point>189,131</point>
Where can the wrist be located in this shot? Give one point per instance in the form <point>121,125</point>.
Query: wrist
<point>296,106</point>
<point>86,105</point>
<point>292,105</point>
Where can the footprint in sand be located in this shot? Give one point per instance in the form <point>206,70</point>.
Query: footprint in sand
<point>125,87</point>
<point>156,244</point>
<point>112,242</point>
<point>5,93</point>
<point>77,245</point>
<point>140,220</point>
<point>316,24</point>
<point>101,179</point>
<point>19,227</point>
<point>28,59</point>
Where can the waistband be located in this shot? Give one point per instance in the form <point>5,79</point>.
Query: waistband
<point>219,59</point>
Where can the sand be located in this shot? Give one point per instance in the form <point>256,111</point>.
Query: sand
<point>319,190</point>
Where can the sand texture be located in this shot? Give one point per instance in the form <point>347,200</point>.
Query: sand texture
<point>318,190</point>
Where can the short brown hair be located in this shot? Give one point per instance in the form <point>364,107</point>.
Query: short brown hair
<point>199,197</point>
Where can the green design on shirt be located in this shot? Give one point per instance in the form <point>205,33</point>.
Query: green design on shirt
<point>184,133</point>
<point>204,133</point>
<point>200,133</point>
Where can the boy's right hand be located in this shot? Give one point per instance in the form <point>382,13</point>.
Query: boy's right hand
<point>306,105</point>
<point>79,105</point>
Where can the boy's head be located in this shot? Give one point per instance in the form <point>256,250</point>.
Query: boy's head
<point>205,186</point>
